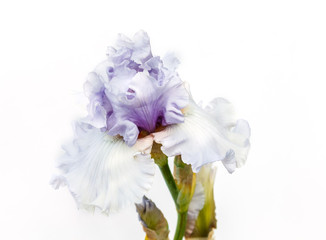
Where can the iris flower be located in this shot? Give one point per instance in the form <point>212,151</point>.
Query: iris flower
<point>137,99</point>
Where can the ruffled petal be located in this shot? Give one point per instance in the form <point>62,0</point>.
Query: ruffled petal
<point>133,91</point>
<point>222,111</point>
<point>207,136</point>
<point>102,172</point>
<point>147,102</point>
<point>138,49</point>
<point>170,61</point>
<point>99,107</point>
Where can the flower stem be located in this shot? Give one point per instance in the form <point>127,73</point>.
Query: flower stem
<point>181,226</point>
<point>169,180</point>
<point>161,161</point>
<point>182,216</point>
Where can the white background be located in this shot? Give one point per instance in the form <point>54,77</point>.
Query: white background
<point>267,57</point>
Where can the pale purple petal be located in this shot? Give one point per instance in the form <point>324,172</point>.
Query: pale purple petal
<point>133,91</point>
<point>145,104</point>
<point>170,61</point>
<point>99,107</point>
<point>139,46</point>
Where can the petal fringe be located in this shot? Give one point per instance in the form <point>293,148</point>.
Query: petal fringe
<point>102,172</point>
<point>207,136</point>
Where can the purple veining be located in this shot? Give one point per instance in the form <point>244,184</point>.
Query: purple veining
<point>133,91</point>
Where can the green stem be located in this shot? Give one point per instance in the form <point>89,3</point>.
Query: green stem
<point>182,217</point>
<point>161,161</point>
<point>169,180</point>
<point>181,226</point>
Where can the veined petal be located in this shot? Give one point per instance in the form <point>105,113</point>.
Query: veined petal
<point>102,172</point>
<point>148,101</point>
<point>207,136</point>
<point>134,91</point>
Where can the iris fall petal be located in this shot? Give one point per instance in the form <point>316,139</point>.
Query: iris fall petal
<point>207,135</point>
<point>102,172</point>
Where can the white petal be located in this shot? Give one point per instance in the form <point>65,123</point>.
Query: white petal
<point>196,204</point>
<point>102,172</point>
<point>206,136</point>
<point>222,111</point>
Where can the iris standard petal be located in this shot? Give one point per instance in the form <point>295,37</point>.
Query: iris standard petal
<point>133,91</point>
<point>99,107</point>
<point>103,172</point>
<point>140,46</point>
<point>147,103</point>
<point>207,136</point>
